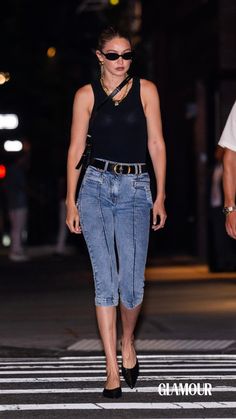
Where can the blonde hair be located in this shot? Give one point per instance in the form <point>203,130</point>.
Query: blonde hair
<point>110,33</point>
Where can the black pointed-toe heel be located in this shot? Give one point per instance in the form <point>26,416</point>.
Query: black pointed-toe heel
<point>113,393</point>
<point>131,374</point>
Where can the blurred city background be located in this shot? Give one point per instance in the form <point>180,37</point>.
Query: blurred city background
<point>187,326</point>
<point>186,47</point>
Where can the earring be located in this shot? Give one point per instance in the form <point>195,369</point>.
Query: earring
<point>101,67</point>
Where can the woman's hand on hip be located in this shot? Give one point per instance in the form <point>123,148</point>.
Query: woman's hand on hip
<point>72,219</point>
<point>230,224</point>
<point>158,211</point>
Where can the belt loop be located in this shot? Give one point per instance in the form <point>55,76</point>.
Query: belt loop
<point>106,166</point>
<point>140,169</point>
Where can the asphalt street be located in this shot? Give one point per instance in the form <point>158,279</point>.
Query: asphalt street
<point>48,304</point>
<point>52,365</point>
<point>72,387</point>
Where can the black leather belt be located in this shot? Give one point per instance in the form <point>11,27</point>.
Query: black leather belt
<point>120,169</point>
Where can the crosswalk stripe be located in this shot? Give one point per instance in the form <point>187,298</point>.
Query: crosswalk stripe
<point>150,356</point>
<point>91,358</point>
<point>150,364</point>
<point>98,378</point>
<point>157,344</point>
<point>87,374</point>
<point>89,371</point>
<point>222,389</point>
<point>119,406</point>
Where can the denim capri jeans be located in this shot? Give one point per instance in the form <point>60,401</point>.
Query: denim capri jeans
<point>114,212</point>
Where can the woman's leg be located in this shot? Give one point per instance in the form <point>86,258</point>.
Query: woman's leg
<point>106,318</point>
<point>132,225</point>
<point>129,319</point>
<point>97,222</point>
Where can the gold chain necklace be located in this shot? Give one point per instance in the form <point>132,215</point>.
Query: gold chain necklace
<point>107,91</point>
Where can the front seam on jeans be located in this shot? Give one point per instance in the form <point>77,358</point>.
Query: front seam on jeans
<point>134,246</point>
<point>104,230</point>
<point>84,231</point>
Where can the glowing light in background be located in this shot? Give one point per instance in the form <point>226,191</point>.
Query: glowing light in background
<point>8,121</point>
<point>114,2</point>
<point>6,240</point>
<point>4,77</point>
<point>2,171</point>
<point>51,52</point>
<point>13,145</point>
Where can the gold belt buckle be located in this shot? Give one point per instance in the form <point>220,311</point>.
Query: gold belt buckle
<point>120,169</point>
<point>115,168</point>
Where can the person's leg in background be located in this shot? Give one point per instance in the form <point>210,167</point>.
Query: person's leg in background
<point>18,221</point>
<point>60,247</point>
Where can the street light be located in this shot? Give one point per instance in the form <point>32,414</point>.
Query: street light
<point>4,77</point>
<point>9,121</point>
<point>51,52</point>
<point>2,171</point>
<point>13,145</point>
<point>114,2</point>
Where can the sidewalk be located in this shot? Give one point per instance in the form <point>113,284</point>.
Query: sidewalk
<point>185,273</point>
<point>47,304</point>
<point>158,269</point>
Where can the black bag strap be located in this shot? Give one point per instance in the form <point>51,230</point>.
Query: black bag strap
<point>110,96</point>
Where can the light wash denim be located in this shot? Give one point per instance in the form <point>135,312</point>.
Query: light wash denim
<point>114,212</point>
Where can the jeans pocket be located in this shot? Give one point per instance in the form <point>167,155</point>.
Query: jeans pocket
<point>149,195</point>
<point>145,186</point>
<point>92,179</point>
<point>93,176</point>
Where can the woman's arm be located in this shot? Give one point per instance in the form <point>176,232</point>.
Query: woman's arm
<point>156,147</point>
<point>229,183</point>
<point>82,107</point>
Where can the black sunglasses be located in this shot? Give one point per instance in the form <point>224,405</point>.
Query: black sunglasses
<point>112,56</point>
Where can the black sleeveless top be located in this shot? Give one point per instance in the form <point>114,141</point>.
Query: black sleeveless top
<point>119,133</point>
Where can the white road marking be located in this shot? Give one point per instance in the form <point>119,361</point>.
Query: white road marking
<point>157,344</point>
<point>59,368</point>
<point>99,364</point>
<point>222,389</point>
<point>62,406</point>
<point>141,378</point>
<point>180,356</point>
<point>90,365</point>
<point>52,372</point>
<point>90,358</point>
<point>66,363</point>
<point>87,371</point>
<point>119,406</point>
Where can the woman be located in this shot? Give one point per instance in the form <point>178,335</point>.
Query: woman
<point>115,200</point>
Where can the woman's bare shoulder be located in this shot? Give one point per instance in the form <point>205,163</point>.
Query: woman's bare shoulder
<point>84,92</point>
<point>84,97</point>
<point>148,86</point>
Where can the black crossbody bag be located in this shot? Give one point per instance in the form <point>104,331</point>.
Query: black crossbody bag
<point>86,156</point>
